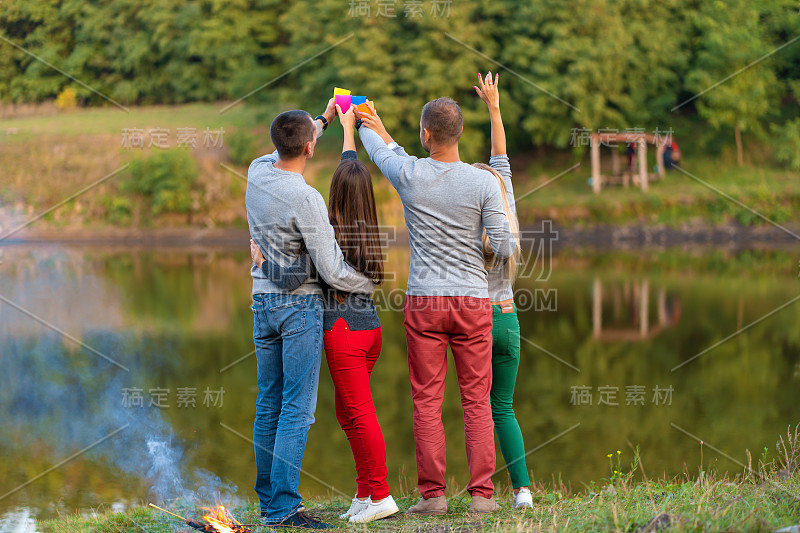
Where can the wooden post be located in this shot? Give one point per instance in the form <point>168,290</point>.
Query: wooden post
<point>660,158</point>
<point>597,308</point>
<point>596,179</point>
<point>644,306</point>
<point>615,161</point>
<point>643,165</point>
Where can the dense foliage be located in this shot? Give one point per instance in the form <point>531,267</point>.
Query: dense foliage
<point>580,64</point>
<point>163,181</point>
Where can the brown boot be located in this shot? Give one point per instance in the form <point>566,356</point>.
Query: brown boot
<point>429,506</point>
<point>483,505</point>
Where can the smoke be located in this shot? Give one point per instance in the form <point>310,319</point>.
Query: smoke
<point>70,399</point>
<point>164,467</point>
<point>59,396</point>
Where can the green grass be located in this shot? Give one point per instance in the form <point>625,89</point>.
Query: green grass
<point>765,496</point>
<point>707,504</point>
<point>112,120</point>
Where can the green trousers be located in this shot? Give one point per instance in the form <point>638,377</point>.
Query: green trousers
<point>505,364</point>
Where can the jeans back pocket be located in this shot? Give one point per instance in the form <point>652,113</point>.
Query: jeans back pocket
<point>290,317</point>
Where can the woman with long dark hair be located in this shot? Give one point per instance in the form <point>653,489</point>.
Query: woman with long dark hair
<point>352,329</point>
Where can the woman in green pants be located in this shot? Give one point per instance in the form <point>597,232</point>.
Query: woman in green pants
<point>505,326</point>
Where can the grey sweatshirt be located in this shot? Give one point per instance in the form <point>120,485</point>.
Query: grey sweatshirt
<point>358,310</point>
<point>446,206</point>
<point>284,214</point>
<point>500,288</point>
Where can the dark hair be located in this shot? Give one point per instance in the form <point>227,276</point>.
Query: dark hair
<point>290,131</point>
<point>351,209</point>
<point>442,118</point>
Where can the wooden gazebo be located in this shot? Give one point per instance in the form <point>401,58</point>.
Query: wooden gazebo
<point>641,140</point>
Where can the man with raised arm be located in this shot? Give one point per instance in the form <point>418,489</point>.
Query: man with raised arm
<point>286,216</point>
<point>446,204</point>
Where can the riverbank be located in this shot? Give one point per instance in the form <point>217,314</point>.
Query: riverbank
<point>71,168</point>
<point>599,236</point>
<point>763,501</point>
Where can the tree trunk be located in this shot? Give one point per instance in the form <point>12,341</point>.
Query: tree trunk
<point>739,152</point>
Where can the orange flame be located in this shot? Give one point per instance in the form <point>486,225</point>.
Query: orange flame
<point>222,520</point>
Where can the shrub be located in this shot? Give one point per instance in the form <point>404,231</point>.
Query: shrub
<point>787,143</point>
<point>241,147</point>
<point>66,99</point>
<point>118,210</point>
<point>165,180</point>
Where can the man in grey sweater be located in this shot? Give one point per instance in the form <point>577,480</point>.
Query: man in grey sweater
<point>286,216</point>
<point>447,204</point>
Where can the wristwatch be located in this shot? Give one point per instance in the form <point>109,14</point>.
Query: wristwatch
<point>392,145</point>
<point>324,121</point>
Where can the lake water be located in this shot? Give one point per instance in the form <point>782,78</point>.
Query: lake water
<point>648,336</point>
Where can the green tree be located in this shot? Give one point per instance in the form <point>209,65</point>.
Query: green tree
<point>587,63</point>
<point>138,51</point>
<point>597,63</point>
<point>787,143</point>
<point>732,90</point>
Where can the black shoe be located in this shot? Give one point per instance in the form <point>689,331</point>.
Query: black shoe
<point>302,520</point>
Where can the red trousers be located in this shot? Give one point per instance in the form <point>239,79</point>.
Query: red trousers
<point>351,357</point>
<point>433,322</point>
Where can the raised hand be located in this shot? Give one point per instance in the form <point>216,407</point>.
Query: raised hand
<point>487,89</point>
<point>489,94</point>
<point>348,119</point>
<point>374,122</point>
<point>330,111</point>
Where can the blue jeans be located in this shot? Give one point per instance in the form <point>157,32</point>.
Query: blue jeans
<point>288,338</point>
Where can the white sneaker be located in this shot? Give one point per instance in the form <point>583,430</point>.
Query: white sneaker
<point>522,499</point>
<point>355,507</point>
<point>376,511</point>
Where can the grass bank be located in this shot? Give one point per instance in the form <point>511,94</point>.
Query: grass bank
<point>49,155</point>
<point>709,503</point>
<point>764,496</point>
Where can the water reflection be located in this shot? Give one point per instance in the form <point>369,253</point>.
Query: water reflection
<point>176,318</point>
<point>630,302</point>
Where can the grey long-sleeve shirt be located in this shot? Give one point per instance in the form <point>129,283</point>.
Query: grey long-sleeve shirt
<point>284,213</point>
<point>500,287</point>
<point>446,206</point>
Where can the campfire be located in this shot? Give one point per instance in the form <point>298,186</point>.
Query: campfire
<point>218,520</point>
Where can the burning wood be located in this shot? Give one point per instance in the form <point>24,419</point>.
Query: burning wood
<point>219,520</point>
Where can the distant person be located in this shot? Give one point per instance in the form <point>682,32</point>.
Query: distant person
<point>505,324</point>
<point>672,154</point>
<point>630,153</point>
<point>352,329</point>
<point>285,216</point>
<point>447,204</point>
